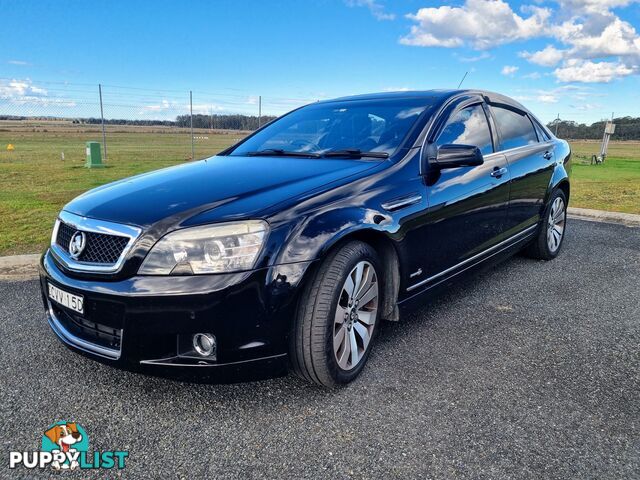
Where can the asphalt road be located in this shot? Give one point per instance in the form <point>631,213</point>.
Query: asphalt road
<point>530,370</point>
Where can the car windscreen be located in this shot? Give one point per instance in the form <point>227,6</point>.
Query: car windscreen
<point>374,126</point>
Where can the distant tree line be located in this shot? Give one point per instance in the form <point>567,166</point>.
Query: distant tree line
<point>225,122</point>
<point>222,122</point>
<point>116,121</point>
<point>627,128</point>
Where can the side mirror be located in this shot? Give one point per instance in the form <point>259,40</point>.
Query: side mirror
<point>453,156</point>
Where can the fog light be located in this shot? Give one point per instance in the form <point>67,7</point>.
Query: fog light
<point>204,344</point>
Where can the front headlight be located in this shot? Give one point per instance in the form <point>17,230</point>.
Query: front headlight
<point>225,247</point>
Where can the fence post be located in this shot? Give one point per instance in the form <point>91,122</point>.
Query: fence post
<point>104,135</point>
<point>259,110</point>
<point>191,118</point>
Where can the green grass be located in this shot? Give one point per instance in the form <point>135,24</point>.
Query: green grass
<point>35,182</point>
<point>613,185</point>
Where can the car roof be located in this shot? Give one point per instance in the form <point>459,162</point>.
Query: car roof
<point>440,95</point>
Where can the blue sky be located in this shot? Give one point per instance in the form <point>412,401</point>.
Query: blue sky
<point>579,58</point>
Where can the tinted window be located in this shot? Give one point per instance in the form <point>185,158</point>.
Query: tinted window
<point>542,135</point>
<point>468,127</point>
<point>368,125</point>
<point>515,128</point>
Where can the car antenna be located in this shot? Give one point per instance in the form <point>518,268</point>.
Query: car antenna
<point>465,76</point>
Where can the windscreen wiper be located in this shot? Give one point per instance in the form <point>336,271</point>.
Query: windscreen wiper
<point>278,152</point>
<point>355,153</point>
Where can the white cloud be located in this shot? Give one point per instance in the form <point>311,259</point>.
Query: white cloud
<point>578,93</point>
<point>591,6</point>
<point>547,98</point>
<point>170,108</point>
<point>594,43</point>
<point>599,35</point>
<point>162,106</point>
<point>477,58</point>
<point>24,93</point>
<point>585,107</point>
<point>548,57</point>
<point>509,70</point>
<point>479,23</point>
<point>532,75</point>
<point>376,9</point>
<point>18,62</point>
<point>208,108</point>
<point>586,71</point>
<point>20,89</point>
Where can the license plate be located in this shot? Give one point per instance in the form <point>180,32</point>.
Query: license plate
<point>69,300</point>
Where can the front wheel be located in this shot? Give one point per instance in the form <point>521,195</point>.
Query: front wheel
<point>337,317</point>
<point>547,243</point>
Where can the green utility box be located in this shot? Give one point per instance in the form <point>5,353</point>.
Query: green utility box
<point>94,156</point>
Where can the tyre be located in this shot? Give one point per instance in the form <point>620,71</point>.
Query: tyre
<point>337,316</point>
<point>547,243</point>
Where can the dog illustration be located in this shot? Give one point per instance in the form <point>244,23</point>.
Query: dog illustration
<point>64,436</point>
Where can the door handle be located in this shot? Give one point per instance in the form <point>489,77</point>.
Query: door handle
<point>547,155</point>
<point>498,172</point>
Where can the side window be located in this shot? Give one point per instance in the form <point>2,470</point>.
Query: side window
<point>515,128</point>
<point>468,127</point>
<point>542,135</point>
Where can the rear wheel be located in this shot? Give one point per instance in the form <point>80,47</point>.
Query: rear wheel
<point>337,317</point>
<point>546,245</point>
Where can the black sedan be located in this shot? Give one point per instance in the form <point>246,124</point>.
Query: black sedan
<point>289,248</point>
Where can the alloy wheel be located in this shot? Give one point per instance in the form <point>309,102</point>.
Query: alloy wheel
<point>355,315</point>
<point>556,223</point>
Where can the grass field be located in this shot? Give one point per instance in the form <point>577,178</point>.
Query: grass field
<point>613,185</point>
<point>35,182</point>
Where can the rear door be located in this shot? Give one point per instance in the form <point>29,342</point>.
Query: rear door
<point>531,164</point>
<point>467,205</point>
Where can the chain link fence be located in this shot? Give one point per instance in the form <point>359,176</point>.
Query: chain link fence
<point>54,120</point>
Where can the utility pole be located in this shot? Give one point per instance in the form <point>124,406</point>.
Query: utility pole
<point>259,110</point>
<point>557,122</point>
<point>191,119</point>
<point>104,134</point>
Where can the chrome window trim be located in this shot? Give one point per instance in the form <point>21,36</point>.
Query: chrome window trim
<point>69,338</point>
<point>92,225</point>
<point>430,125</point>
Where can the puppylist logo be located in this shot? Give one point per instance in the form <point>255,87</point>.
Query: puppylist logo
<point>65,446</point>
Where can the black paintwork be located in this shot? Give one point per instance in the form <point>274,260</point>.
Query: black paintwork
<point>429,224</point>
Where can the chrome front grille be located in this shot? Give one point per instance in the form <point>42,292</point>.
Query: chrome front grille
<point>105,248</point>
<point>64,235</point>
<point>100,247</point>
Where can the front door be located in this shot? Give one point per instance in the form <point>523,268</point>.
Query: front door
<point>467,205</point>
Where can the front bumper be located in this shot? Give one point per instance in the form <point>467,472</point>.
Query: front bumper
<point>134,323</point>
